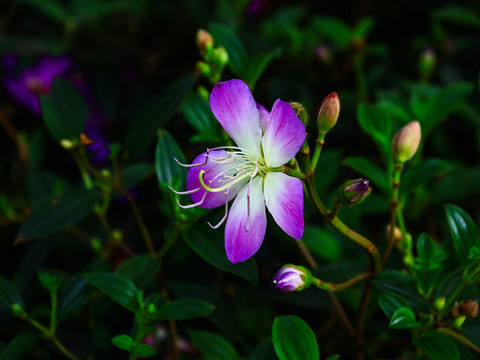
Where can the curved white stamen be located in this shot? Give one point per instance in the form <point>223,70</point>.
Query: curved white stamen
<point>188,165</point>
<point>193,205</point>
<point>184,192</point>
<point>224,216</point>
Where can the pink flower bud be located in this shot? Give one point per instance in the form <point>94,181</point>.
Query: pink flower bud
<point>328,114</point>
<point>406,141</point>
<point>204,41</point>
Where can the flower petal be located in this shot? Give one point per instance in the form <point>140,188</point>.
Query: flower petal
<point>264,115</point>
<point>213,171</point>
<point>241,244</point>
<point>284,136</point>
<point>233,105</point>
<point>284,199</point>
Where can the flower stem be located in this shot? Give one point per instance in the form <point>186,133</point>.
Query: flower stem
<point>394,204</point>
<point>316,153</point>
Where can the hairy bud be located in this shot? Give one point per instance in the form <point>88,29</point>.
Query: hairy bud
<point>406,141</point>
<point>328,114</point>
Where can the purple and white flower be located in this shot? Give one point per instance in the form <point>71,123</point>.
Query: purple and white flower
<point>249,172</point>
<point>289,278</point>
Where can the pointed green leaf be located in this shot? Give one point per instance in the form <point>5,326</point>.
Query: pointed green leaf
<point>182,309</point>
<point>167,168</point>
<point>403,318</point>
<point>464,231</point>
<point>436,345</point>
<point>212,346</point>
<point>293,339</point>
<point>19,346</point>
<point>143,350</point>
<point>156,114</point>
<point>263,351</point>
<point>116,287</point>
<point>8,295</point>
<point>139,269</point>
<point>58,213</point>
<point>237,53</point>
<point>198,114</point>
<point>422,174</point>
<point>123,342</point>
<point>370,171</point>
<point>256,65</point>
<point>213,253</point>
<point>50,282</point>
<point>333,29</point>
<point>390,302</point>
<point>72,295</point>
<point>64,111</point>
<point>377,123</point>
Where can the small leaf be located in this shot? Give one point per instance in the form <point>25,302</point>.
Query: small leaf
<point>116,287</point>
<point>263,351</point>
<point>135,173</point>
<point>57,213</point>
<point>403,318</point>
<point>237,54</point>
<point>333,29</point>
<point>64,111</point>
<point>50,282</point>
<point>198,114</point>
<point>377,123</point>
<point>370,171</point>
<point>167,168</point>
<point>123,342</point>
<point>139,269</point>
<point>465,234</point>
<point>389,303</point>
<point>19,346</point>
<point>214,254</point>
<point>293,339</point>
<point>184,309</point>
<point>143,350</point>
<point>8,295</point>
<point>255,67</point>
<point>72,295</point>
<point>212,346</point>
<point>321,243</point>
<point>422,174</point>
<point>436,345</point>
<point>155,115</point>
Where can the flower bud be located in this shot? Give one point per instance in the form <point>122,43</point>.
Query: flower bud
<point>427,63</point>
<point>300,111</point>
<point>353,192</point>
<point>458,322</point>
<point>406,141</point>
<point>324,54</point>
<point>202,68</point>
<point>397,233</point>
<point>18,310</point>
<point>439,303</point>
<point>204,41</point>
<point>292,278</point>
<point>67,144</point>
<point>328,114</point>
<point>469,308</point>
<point>220,56</point>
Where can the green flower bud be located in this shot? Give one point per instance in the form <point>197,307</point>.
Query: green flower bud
<point>96,244</point>
<point>220,56</point>
<point>458,322</point>
<point>439,303</point>
<point>204,41</point>
<point>151,309</point>
<point>328,114</point>
<point>117,235</point>
<point>353,192</point>
<point>67,144</point>
<point>300,111</point>
<point>428,60</point>
<point>202,68</point>
<point>406,141</point>
<point>18,310</point>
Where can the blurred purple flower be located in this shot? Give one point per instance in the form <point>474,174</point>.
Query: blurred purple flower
<point>36,80</point>
<point>255,8</point>
<point>95,130</point>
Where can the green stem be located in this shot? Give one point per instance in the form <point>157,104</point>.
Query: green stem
<point>335,209</point>
<point>452,297</point>
<point>394,204</point>
<point>53,312</point>
<point>342,228</point>
<point>316,153</point>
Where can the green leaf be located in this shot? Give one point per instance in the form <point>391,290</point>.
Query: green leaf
<point>72,295</point>
<point>50,282</point>
<point>403,285</point>
<point>198,114</point>
<point>432,105</point>
<point>134,174</point>
<point>64,111</point>
<point>321,243</point>
<point>333,29</point>
<point>377,123</point>
<point>390,302</point>
<point>237,54</point>
<point>19,346</point>
<point>116,287</point>
<point>143,350</point>
<point>293,339</point>
<point>214,253</point>
<point>167,168</point>
<point>52,9</point>
<point>263,351</point>
<point>255,67</point>
<point>422,174</point>
<point>182,309</point>
<point>436,345</point>
<point>212,346</point>
<point>364,27</point>
<point>57,213</point>
<point>156,114</point>
<point>139,269</point>
<point>8,295</point>
<point>403,318</point>
<point>123,342</point>
<point>464,232</point>
<point>371,171</point>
